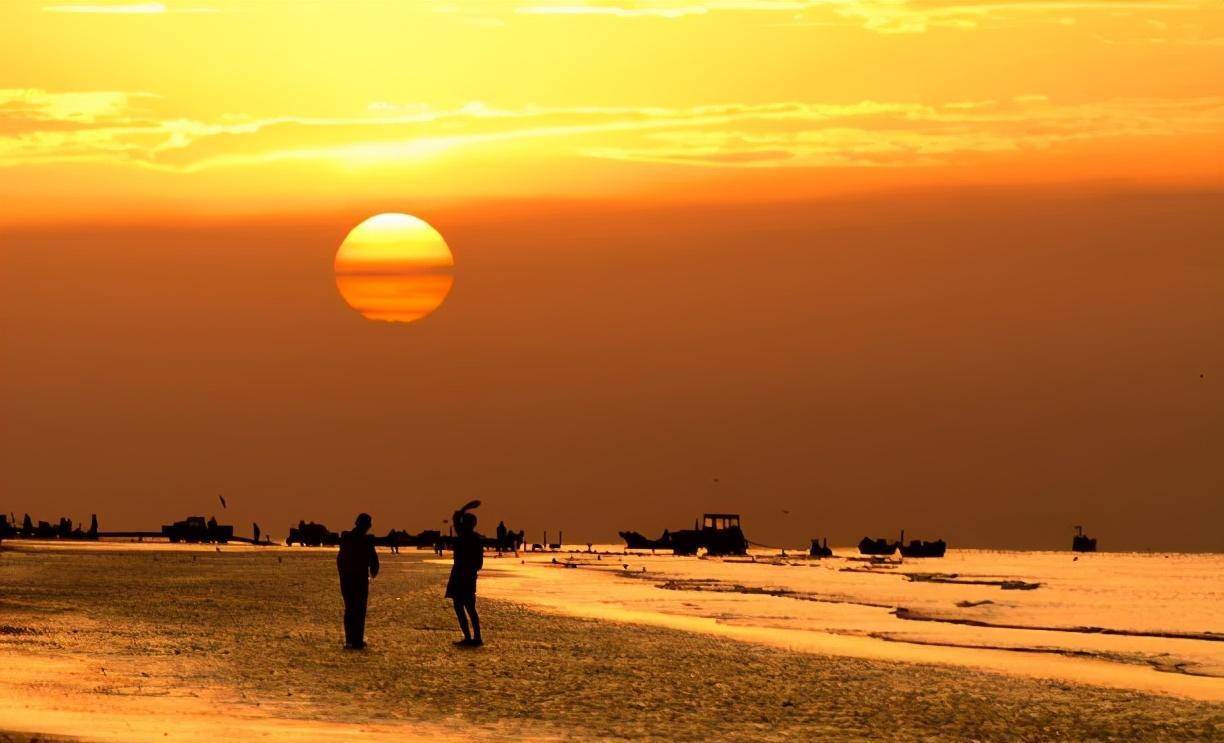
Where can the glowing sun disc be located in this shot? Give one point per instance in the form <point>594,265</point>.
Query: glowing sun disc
<point>394,267</point>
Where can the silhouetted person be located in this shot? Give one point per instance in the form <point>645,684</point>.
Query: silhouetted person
<point>212,523</point>
<point>256,530</point>
<point>469,559</point>
<point>501,535</point>
<point>358,564</point>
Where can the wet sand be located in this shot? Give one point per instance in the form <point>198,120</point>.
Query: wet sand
<point>135,642</point>
<point>1144,622</point>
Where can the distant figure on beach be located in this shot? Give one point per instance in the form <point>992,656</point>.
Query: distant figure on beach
<point>256,530</point>
<point>461,588</point>
<point>501,536</point>
<point>358,565</point>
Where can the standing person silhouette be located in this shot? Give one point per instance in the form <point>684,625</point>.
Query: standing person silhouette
<point>358,565</point>
<point>469,559</point>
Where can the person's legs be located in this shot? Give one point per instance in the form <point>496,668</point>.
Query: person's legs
<point>355,593</point>
<point>347,594</point>
<point>361,599</point>
<point>470,605</point>
<point>463,623</point>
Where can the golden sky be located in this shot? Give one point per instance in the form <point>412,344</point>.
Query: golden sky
<point>142,111</point>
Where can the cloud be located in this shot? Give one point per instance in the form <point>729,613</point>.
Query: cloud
<point>123,128</point>
<point>130,9</point>
<point>620,12</point>
<point>883,16</point>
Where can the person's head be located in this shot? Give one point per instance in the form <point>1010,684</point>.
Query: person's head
<point>465,522</point>
<point>363,522</point>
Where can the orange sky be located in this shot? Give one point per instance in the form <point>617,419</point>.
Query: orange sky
<point>991,368</point>
<point>135,111</point>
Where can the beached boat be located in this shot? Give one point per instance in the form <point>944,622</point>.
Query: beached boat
<point>919,548</point>
<point>1082,542</point>
<point>637,541</point>
<point>869,546</point>
<point>820,550</point>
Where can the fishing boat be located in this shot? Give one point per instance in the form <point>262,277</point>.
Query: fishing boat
<point>1081,542</point>
<point>869,546</point>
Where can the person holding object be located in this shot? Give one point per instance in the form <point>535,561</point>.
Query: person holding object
<point>357,563</point>
<point>461,588</point>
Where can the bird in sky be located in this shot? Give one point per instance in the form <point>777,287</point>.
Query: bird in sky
<point>222,499</point>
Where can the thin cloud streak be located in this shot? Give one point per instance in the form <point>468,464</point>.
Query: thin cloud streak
<point>128,9</point>
<point>37,127</point>
<point>882,16</point>
<point>133,9</point>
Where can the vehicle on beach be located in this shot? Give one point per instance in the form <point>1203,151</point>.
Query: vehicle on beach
<point>195,529</point>
<point>718,534</point>
<point>310,534</point>
<point>401,538</point>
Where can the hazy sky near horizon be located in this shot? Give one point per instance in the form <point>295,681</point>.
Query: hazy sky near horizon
<point>872,264</point>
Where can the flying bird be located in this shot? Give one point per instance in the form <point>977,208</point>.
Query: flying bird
<point>222,499</point>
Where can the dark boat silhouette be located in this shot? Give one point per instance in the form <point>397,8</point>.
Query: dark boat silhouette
<point>869,546</point>
<point>820,550</point>
<point>637,541</point>
<point>1082,542</point>
<point>718,534</point>
<point>919,548</point>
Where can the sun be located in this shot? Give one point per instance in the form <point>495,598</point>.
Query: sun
<point>394,267</point>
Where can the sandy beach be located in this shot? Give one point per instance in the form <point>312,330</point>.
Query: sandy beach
<point>143,642</point>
